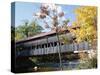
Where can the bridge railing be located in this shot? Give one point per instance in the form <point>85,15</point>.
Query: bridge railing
<point>51,50</point>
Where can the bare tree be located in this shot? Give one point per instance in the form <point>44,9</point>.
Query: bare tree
<point>54,12</point>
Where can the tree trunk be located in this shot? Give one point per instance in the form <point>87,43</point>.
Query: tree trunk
<point>59,50</point>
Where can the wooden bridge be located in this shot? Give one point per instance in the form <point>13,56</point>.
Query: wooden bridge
<point>47,43</point>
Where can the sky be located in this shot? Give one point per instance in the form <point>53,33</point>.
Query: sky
<point>24,11</point>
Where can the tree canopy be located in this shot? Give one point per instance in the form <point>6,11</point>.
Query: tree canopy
<point>86,19</point>
<point>27,30</point>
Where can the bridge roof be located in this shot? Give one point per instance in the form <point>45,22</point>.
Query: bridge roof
<point>43,34</point>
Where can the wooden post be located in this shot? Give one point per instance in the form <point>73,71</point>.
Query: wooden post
<point>53,46</point>
<point>47,45</point>
<point>41,48</point>
<point>44,49</point>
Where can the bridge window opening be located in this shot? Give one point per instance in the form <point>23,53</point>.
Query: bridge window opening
<point>48,44</point>
<point>42,45</point>
<point>51,44</point>
<point>61,43</point>
<point>45,45</point>
<point>55,43</point>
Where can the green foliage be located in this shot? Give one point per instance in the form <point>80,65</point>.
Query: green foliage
<point>27,30</point>
<point>65,23</point>
<point>64,39</point>
<point>88,64</point>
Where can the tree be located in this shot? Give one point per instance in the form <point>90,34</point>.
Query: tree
<point>86,19</point>
<point>86,61</point>
<point>54,12</point>
<point>27,30</point>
